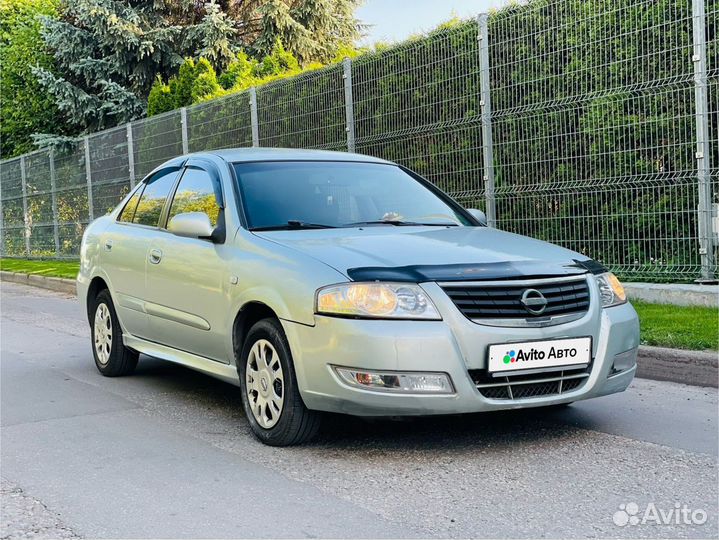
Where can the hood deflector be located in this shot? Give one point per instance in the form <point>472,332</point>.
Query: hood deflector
<point>475,271</point>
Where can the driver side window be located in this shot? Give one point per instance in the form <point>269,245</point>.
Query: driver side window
<point>195,193</point>
<point>153,198</point>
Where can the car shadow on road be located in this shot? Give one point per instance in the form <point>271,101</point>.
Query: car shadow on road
<point>465,431</point>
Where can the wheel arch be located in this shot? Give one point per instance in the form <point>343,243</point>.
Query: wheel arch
<point>96,285</point>
<point>250,313</point>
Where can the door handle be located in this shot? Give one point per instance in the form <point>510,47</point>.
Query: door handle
<point>108,245</point>
<point>155,256</point>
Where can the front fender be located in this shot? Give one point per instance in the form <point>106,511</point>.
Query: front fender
<point>281,278</point>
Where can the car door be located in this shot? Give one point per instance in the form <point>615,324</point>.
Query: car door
<point>186,285</point>
<point>125,243</point>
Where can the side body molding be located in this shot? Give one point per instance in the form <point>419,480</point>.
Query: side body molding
<point>182,317</point>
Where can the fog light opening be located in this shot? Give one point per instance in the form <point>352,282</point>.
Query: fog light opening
<point>401,382</point>
<point>624,361</point>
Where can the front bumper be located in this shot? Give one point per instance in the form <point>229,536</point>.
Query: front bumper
<point>454,346</point>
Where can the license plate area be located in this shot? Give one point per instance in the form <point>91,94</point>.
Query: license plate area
<point>526,357</point>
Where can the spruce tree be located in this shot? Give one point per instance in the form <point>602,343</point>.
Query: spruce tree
<point>108,53</point>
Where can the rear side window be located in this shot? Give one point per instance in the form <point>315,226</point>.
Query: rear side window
<point>153,198</point>
<point>129,211</point>
<point>195,193</point>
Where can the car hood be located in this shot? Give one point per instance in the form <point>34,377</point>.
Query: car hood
<point>432,253</point>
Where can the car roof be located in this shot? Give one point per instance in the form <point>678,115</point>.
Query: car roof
<point>290,154</point>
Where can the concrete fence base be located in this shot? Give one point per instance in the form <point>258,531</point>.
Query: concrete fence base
<point>678,294</point>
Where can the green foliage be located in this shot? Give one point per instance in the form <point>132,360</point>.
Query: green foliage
<point>161,98</point>
<point>194,83</point>
<point>198,81</point>
<point>312,30</point>
<point>25,107</point>
<point>107,55</point>
<point>214,37</point>
<point>241,68</point>
<point>277,62</point>
<point>680,327</point>
<point>63,269</point>
<point>182,89</point>
<point>205,83</point>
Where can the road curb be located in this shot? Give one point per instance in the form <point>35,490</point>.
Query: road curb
<point>56,284</point>
<point>698,368</point>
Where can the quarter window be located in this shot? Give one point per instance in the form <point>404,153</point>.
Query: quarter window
<point>129,211</point>
<point>153,198</point>
<point>195,193</point>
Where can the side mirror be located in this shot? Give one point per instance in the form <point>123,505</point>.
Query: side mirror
<point>191,225</point>
<point>478,215</point>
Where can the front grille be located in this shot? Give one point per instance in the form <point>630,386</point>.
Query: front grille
<point>528,386</point>
<point>502,300</point>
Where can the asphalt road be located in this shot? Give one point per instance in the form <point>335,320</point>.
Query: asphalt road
<point>167,452</point>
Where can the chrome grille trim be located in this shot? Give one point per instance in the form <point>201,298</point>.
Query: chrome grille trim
<point>548,379</point>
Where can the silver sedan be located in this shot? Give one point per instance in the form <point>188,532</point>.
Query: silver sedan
<point>325,281</point>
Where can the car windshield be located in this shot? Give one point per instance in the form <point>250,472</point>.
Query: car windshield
<point>319,194</point>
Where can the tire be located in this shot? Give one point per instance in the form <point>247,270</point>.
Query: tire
<point>270,396</point>
<point>112,358</point>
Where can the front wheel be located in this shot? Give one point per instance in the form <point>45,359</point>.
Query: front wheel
<point>271,399</point>
<point>112,358</point>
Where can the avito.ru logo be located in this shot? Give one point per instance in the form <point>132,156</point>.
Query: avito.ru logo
<point>631,514</point>
<point>534,354</point>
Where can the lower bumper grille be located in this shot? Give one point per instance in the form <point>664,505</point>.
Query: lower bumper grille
<point>529,386</point>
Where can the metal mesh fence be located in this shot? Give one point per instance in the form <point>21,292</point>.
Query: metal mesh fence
<point>221,123</point>
<point>593,124</point>
<point>307,111</point>
<point>594,138</point>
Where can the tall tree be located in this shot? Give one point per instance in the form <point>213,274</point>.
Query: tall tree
<point>25,107</point>
<point>312,30</point>
<point>109,52</point>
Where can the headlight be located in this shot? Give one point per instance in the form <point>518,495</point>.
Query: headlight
<point>377,301</point>
<point>610,290</point>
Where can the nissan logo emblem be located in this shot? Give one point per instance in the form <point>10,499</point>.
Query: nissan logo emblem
<point>534,301</point>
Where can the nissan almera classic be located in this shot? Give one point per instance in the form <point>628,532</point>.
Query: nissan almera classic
<point>325,281</point>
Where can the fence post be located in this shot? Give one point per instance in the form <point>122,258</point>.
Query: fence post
<point>349,105</point>
<point>130,156</point>
<point>25,216</point>
<point>53,193</point>
<point>486,119</point>
<point>183,125</point>
<point>253,117</point>
<point>88,177</point>
<point>703,154</point>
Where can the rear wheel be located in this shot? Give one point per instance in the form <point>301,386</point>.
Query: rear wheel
<point>272,401</point>
<point>112,358</point>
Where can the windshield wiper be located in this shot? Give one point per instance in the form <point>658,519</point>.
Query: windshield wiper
<point>294,224</point>
<point>399,223</point>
